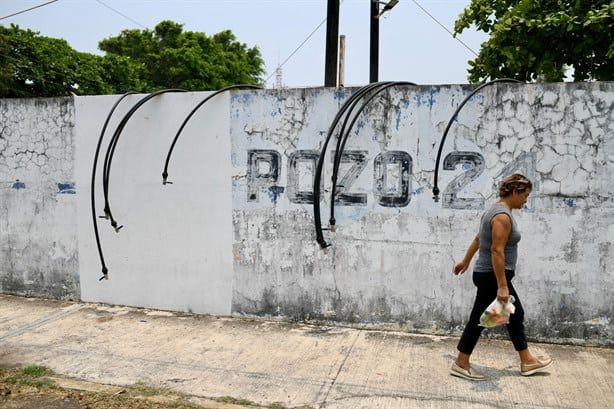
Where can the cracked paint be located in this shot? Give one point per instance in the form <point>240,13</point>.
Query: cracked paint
<point>37,246</point>
<point>392,248</point>
<point>385,264</point>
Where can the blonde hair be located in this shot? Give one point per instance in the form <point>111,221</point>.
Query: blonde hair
<point>515,182</point>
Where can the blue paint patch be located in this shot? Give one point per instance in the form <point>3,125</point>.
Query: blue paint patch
<point>350,214</point>
<point>467,166</point>
<point>418,100</point>
<point>19,185</point>
<point>66,189</point>
<point>359,125</point>
<point>340,94</point>
<point>427,98</point>
<point>569,202</point>
<point>432,100</point>
<point>418,191</point>
<point>243,97</point>
<point>398,122</point>
<point>274,192</point>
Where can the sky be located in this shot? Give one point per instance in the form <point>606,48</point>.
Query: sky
<point>414,44</point>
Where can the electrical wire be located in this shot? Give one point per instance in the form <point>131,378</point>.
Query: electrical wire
<point>121,14</point>
<point>444,27</point>
<point>26,10</point>
<point>297,48</point>
<point>300,45</point>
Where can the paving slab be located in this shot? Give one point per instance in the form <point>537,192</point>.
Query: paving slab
<point>267,361</point>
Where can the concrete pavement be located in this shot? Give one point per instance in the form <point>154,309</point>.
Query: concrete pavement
<point>271,361</point>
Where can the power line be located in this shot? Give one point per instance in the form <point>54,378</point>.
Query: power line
<point>121,14</point>
<point>31,8</point>
<point>445,28</point>
<point>300,45</point>
<point>297,48</point>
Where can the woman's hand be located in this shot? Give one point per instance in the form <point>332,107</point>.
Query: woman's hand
<point>460,267</point>
<point>503,295</point>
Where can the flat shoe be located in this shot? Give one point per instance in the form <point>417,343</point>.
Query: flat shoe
<point>470,373</point>
<point>530,369</point>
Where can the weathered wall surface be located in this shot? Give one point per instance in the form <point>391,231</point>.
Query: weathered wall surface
<point>394,248</point>
<point>234,233</point>
<point>38,234</point>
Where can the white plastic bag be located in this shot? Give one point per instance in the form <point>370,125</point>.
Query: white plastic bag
<point>497,313</point>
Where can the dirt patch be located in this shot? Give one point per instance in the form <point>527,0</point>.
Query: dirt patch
<point>38,387</point>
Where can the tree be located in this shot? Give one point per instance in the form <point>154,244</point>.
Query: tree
<point>32,65</point>
<point>172,58</point>
<point>37,66</point>
<point>541,39</point>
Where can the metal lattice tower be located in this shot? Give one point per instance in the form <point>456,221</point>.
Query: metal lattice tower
<point>278,78</point>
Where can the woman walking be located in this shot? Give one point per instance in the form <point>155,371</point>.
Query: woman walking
<point>497,242</point>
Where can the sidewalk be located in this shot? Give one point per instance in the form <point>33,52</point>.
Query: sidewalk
<point>270,361</point>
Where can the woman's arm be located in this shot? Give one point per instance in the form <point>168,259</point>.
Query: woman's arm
<point>501,227</point>
<point>463,265</point>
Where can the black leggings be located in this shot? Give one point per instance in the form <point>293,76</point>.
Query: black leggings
<point>486,282</point>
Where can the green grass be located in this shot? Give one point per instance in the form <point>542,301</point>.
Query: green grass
<point>235,401</point>
<point>136,395</point>
<point>36,371</point>
<point>28,376</point>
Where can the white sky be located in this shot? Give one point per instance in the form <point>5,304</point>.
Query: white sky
<point>413,47</point>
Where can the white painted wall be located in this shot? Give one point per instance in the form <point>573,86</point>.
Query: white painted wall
<point>38,236</point>
<point>175,249</point>
<point>393,265</point>
<point>220,241</point>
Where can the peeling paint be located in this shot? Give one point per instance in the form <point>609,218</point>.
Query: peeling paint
<point>510,130</point>
<point>66,188</point>
<point>392,246</point>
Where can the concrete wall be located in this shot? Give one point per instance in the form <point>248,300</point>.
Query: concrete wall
<point>38,233</point>
<point>234,233</point>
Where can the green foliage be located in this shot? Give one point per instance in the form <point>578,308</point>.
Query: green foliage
<point>171,58</point>
<point>540,39</point>
<point>235,401</point>
<point>36,371</point>
<point>36,66</point>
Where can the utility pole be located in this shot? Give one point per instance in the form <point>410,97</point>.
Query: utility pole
<point>374,15</point>
<point>332,38</point>
<point>341,61</point>
<point>374,42</point>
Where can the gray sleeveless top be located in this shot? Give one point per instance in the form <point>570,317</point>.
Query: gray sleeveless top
<point>484,261</point>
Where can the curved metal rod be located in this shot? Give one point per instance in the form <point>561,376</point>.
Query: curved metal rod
<point>170,151</point>
<point>344,137</point>
<point>445,132</point>
<point>318,174</point>
<point>92,190</point>
<point>111,151</point>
